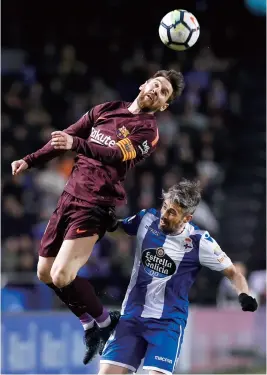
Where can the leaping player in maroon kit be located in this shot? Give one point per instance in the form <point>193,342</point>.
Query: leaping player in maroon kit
<point>109,140</point>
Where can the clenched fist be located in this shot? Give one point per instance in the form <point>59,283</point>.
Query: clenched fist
<point>18,166</point>
<point>61,140</point>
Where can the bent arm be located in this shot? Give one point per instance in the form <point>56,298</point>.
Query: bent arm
<point>138,144</point>
<point>81,128</point>
<point>108,155</point>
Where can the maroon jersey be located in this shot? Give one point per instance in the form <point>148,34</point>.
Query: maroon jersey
<point>109,140</point>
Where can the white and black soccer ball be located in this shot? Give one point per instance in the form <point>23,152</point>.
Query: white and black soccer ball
<point>179,30</point>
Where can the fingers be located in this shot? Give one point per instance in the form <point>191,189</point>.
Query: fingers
<point>56,147</point>
<point>14,167</point>
<point>17,167</point>
<point>57,134</point>
<point>59,142</point>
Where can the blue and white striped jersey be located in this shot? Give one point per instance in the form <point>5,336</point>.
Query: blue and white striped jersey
<point>166,266</point>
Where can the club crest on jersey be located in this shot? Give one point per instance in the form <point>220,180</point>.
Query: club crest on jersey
<point>157,263</point>
<point>122,132</point>
<point>160,252</point>
<point>188,245</point>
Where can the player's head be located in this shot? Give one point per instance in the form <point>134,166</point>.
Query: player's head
<point>160,90</point>
<point>179,205</point>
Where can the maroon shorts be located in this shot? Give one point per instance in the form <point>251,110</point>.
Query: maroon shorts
<point>73,218</point>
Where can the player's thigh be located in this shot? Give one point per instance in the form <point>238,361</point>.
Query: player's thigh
<point>108,368</point>
<point>44,267</point>
<point>125,348</point>
<point>54,233</point>
<point>164,348</point>
<point>86,220</point>
<point>73,254</point>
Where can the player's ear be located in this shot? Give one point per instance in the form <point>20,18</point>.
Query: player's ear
<point>165,106</point>
<point>187,218</point>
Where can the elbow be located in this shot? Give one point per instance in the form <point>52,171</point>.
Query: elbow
<point>231,273</point>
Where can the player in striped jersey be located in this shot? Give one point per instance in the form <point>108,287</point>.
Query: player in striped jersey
<point>170,251</point>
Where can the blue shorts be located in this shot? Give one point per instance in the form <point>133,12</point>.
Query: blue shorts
<point>157,341</point>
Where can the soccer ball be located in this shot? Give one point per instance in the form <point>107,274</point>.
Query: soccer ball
<point>179,30</point>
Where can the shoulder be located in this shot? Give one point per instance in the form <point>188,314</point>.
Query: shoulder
<point>145,132</point>
<point>148,215</point>
<point>148,123</point>
<point>110,106</point>
<point>153,211</point>
<point>148,212</point>
<point>202,236</point>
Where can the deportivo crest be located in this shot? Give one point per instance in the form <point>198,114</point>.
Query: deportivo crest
<point>188,245</point>
<point>122,132</point>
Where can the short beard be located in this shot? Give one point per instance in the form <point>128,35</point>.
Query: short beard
<point>144,109</point>
<point>174,232</point>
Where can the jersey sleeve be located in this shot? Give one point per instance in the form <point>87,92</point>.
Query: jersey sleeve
<point>81,128</point>
<point>139,144</point>
<point>131,224</point>
<point>211,255</point>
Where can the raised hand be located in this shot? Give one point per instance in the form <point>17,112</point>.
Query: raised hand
<point>61,140</point>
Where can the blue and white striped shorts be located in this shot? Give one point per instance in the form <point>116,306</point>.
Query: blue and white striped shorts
<point>158,341</point>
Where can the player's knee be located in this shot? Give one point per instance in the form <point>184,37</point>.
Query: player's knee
<point>43,274</point>
<point>107,369</point>
<point>61,277</point>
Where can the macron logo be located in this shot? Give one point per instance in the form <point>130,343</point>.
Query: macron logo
<point>100,138</point>
<point>163,359</point>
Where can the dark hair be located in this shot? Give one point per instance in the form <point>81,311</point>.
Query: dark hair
<point>175,78</point>
<point>187,194</point>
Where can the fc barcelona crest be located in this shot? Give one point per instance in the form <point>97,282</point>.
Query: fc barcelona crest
<point>122,132</point>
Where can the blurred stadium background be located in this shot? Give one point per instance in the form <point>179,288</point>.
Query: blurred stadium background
<point>58,60</point>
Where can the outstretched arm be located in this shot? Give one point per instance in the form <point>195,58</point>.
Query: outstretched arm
<point>240,284</point>
<point>212,256</point>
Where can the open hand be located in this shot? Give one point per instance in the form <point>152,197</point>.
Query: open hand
<point>18,166</point>
<point>61,140</point>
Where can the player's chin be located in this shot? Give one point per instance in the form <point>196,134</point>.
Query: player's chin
<point>164,228</point>
<point>149,107</point>
<point>147,103</point>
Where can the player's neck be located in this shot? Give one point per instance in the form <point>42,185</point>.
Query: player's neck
<point>135,109</point>
<point>179,231</point>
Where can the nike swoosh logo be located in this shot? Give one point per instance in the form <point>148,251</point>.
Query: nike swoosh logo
<point>81,231</point>
<point>101,118</point>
